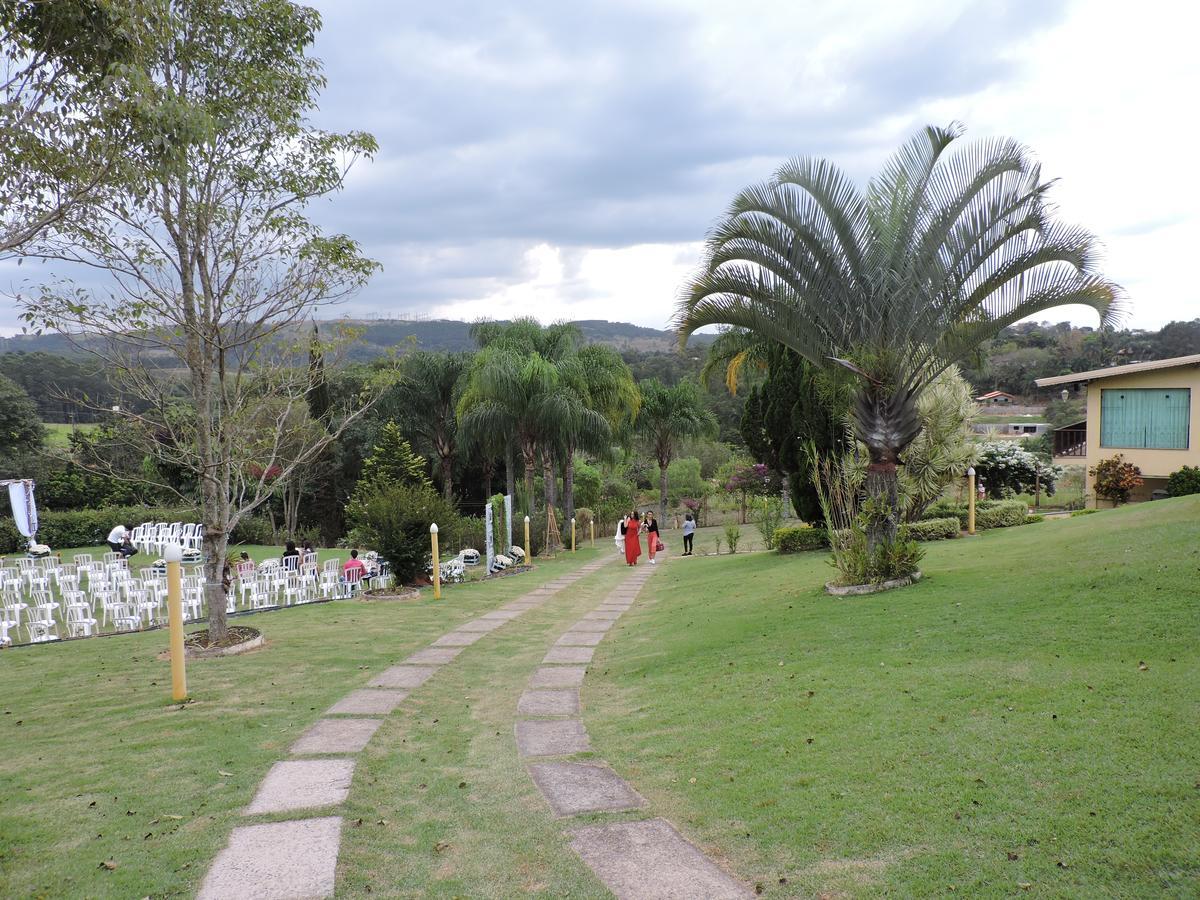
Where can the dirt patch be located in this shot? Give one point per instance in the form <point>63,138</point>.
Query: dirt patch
<point>391,594</point>
<point>238,639</point>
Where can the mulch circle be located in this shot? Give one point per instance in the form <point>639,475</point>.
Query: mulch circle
<point>234,635</point>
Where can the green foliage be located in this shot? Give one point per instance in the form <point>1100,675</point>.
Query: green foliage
<point>733,535</point>
<point>21,430</point>
<point>1005,468</point>
<point>795,538</point>
<point>988,513</point>
<point>669,416</point>
<point>584,517</point>
<point>1060,413</point>
<point>683,480</point>
<point>395,520</point>
<point>87,527</point>
<point>943,450</point>
<point>1115,479</point>
<point>931,529</point>
<point>391,461</point>
<point>767,518</point>
<point>588,484</point>
<point>1184,481</point>
<point>1076,513</point>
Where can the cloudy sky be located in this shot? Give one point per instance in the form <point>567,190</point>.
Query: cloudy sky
<point>565,159</point>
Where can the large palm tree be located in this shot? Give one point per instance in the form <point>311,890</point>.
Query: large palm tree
<point>948,244</point>
<point>428,395</point>
<point>670,415</point>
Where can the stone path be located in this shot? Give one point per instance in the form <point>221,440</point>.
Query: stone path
<point>297,858</point>
<point>643,859</point>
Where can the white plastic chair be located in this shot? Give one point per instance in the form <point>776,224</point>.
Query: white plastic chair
<point>80,622</point>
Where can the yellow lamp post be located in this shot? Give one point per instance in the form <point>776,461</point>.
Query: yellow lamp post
<point>173,554</point>
<point>971,500</point>
<point>572,534</point>
<point>528,557</point>
<point>437,568</point>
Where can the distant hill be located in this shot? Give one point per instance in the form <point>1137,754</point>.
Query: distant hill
<point>382,335</point>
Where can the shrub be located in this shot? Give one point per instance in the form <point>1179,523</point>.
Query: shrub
<point>253,530</point>
<point>1033,520</point>
<point>395,521</point>
<point>795,538</point>
<point>1185,481</point>
<point>1003,515</point>
<point>583,518</point>
<point>733,534</point>
<point>768,516</point>
<point>1115,478</point>
<point>931,529</point>
<point>86,527</point>
<point>1075,513</point>
<point>1004,468</point>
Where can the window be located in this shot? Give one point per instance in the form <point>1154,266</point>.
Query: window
<point>1145,418</point>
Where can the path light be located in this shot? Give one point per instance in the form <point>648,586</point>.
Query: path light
<point>971,500</point>
<point>528,556</point>
<point>437,569</point>
<point>173,554</point>
<point>572,534</point>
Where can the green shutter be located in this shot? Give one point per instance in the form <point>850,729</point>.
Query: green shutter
<point>1155,418</point>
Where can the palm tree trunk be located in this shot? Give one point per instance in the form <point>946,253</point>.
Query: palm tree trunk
<point>530,455</point>
<point>569,486</point>
<point>549,479</point>
<point>510,474</point>
<point>662,491</point>
<point>448,478</point>
<point>489,472</point>
<point>881,486</point>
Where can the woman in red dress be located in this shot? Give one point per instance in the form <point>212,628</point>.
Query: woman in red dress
<point>633,541</point>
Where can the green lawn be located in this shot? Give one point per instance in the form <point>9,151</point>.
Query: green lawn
<point>58,434</point>
<point>990,729</point>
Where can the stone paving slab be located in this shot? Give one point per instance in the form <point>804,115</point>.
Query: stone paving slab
<point>551,737</point>
<point>302,784</point>
<point>367,702</point>
<point>580,639</point>
<point>433,656</point>
<point>505,615</point>
<point>650,860</point>
<point>591,625</point>
<point>403,677</point>
<point>569,655</point>
<point>600,615</point>
<point>557,677</point>
<point>573,788</point>
<point>614,607</point>
<point>549,703</point>
<point>336,736</point>
<point>276,861</point>
<point>458,639</point>
<point>482,625</point>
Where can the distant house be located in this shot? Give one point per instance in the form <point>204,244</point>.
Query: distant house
<point>1148,411</point>
<point>1012,429</point>
<point>996,398</point>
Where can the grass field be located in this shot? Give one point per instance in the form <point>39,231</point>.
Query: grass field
<point>1026,717</point>
<point>58,434</point>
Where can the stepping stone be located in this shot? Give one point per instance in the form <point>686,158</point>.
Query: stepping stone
<point>458,639</point>
<point>336,736</point>
<point>276,861</point>
<point>505,615</point>
<point>650,860</point>
<point>580,639</point>
<point>433,656</point>
<point>302,784</point>
<point>573,788</point>
<point>402,677</point>
<point>480,625</point>
<point>569,655</point>
<point>600,615</point>
<point>549,703</point>
<point>592,625</point>
<point>367,703</point>
<point>614,607</point>
<point>557,677</point>
<point>551,737</point>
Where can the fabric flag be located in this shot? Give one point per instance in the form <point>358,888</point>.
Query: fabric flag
<point>20,494</point>
<point>487,526</point>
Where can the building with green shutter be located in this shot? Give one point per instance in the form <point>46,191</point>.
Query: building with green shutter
<point>1149,412</point>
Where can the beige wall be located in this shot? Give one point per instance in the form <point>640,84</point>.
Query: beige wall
<point>1156,465</point>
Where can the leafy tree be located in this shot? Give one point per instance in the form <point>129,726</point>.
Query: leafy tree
<point>942,251</point>
<point>21,431</point>
<point>391,461</point>
<point>1184,481</point>
<point>669,416</point>
<point>683,479</point>
<point>428,391</point>
<point>1115,479</point>
<point>214,264</point>
<point>944,449</point>
<point>1005,468</point>
<point>749,481</point>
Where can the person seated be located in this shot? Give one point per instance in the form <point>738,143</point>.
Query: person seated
<point>355,565</point>
<point>291,557</point>
<point>127,549</point>
<point>118,536</point>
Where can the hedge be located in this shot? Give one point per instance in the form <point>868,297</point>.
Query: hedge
<point>794,538</point>
<point>85,527</point>
<point>988,513</point>
<point>930,529</point>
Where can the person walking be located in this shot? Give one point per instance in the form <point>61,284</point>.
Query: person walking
<point>651,537</point>
<point>633,541</point>
<point>689,534</point>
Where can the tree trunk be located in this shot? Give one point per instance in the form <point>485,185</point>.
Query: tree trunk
<point>530,455</point>
<point>510,475</point>
<point>569,487</point>
<point>448,478</point>
<point>662,491</point>
<point>549,479</point>
<point>881,487</point>
<point>489,472</point>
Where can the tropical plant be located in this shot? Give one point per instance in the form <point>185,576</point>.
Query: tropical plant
<point>942,251</point>
<point>428,392</point>
<point>1005,468</point>
<point>768,517</point>
<point>668,416</point>
<point>733,535</point>
<point>1115,479</point>
<point>1184,481</point>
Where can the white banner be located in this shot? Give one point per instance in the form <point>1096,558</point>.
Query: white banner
<point>20,494</point>
<point>508,523</point>
<point>487,526</point>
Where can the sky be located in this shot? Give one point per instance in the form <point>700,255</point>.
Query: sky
<point>565,160</point>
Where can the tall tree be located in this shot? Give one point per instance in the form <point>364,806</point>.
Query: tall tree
<point>21,431</point>
<point>669,416</point>
<point>943,250</point>
<point>429,389</point>
<point>213,261</point>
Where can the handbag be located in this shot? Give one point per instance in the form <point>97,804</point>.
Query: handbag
<point>660,547</point>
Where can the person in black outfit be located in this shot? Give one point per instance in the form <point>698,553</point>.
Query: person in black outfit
<point>290,550</point>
